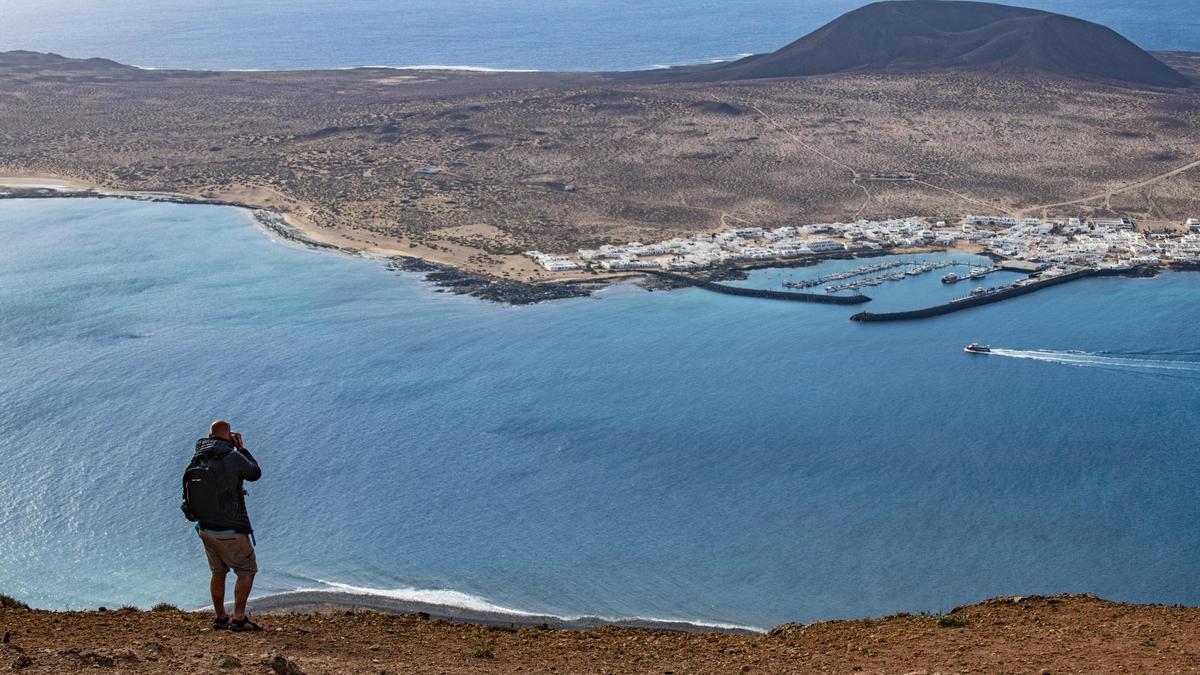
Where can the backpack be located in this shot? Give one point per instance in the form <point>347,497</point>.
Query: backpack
<point>209,490</point>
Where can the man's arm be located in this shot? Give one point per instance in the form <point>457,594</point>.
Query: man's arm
<point>249,469</point>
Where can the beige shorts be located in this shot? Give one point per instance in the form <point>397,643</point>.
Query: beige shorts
<point>229,552</point>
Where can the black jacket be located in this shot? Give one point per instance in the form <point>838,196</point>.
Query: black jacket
<point>238,463</point>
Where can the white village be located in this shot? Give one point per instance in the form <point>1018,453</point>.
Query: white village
<point>1076,242</point>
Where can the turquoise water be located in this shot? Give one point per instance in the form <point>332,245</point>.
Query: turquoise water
<point>522,34</point>
<point>670,454</point>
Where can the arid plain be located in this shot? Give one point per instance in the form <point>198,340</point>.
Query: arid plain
<point>555,161</point>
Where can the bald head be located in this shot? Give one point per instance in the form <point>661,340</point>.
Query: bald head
<point>220,429</point>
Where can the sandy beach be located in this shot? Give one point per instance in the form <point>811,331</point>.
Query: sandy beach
<point>336,600</point>
<point>293,212</point>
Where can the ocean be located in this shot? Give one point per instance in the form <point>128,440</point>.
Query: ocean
<point>675,455</point>
<point>504,34</point>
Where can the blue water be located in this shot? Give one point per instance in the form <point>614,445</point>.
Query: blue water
<point>669,454</point>
<point>520,34</point>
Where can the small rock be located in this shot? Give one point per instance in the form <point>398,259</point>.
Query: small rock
<point>21,662</point>
<point>281,664</point>
<point>96,659</point>
<point>226,661</point>
<point>374,648</point>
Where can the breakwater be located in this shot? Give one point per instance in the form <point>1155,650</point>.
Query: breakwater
<point>761,293</point>
<point>997,296</point>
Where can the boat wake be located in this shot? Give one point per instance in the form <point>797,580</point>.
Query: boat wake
<point>1100,360</point>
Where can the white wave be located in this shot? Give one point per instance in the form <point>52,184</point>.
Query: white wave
<point>203,70</point>
<point>717,59</point>
<point>1090,359</point>
<point>473,69</point>
<point>458,599</point>
<point>444,597</point>
<point>723,59</point>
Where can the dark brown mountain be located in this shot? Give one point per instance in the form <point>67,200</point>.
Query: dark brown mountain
<point>25,60</point>
<point>925,35</point>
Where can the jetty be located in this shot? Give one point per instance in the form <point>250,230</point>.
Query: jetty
<point>975,273</point>
<point>899,275</point>
<point>1015,289</point>
<point>821,298</point>
<point>838,276</point>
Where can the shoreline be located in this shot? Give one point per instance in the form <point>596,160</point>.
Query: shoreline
<point>336,600</point>
<point>447,277</point>
<point>291,228</point>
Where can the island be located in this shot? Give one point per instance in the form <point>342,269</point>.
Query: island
<point>499,184</point>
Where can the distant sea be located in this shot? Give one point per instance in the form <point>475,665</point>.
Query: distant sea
<point>679,455</point>
<point>503,34</point>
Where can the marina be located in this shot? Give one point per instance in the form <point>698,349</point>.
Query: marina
<point>976,273</point>
<point>822,298</point>
<point>838,276</point>
<point>983,296</point>
<point>909,270</point>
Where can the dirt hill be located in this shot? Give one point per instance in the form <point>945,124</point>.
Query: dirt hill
<point>928,35</point>
<point>1061,634</point>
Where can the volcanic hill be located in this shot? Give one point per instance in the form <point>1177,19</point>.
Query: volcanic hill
<point>927,35</point>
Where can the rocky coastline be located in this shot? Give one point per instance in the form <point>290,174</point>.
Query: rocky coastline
<point>450,279</point>
<point>445,277</point>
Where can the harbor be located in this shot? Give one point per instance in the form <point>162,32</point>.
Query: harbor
<point>1042,252</point>
<point>821,298</point>
<point>930,296</point>
<point>838,276</point>
<point>976,273</point>
<point>908,270</point>
<point>983,296</point>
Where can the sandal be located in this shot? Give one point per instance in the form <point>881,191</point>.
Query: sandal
<point>244,626</point>
<point>221,623</point>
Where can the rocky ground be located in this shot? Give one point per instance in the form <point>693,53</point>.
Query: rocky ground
<point>1063,634</point>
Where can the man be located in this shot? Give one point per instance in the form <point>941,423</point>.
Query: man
<point>213,497</point>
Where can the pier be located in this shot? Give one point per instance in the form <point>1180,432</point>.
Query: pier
<point>838,276</point>
<point>821,298</point>
<point>915,270</point>
<point>1016,289</point>
<point>975,273</point>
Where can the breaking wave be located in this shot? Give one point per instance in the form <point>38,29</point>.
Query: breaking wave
<point>474,603</point>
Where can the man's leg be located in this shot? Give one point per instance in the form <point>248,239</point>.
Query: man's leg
<point>241,593</point>
<point>217,588</point>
